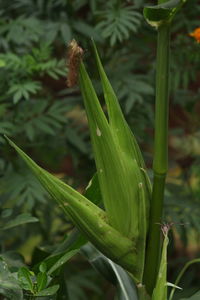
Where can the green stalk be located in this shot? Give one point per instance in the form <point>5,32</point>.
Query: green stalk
<point>160,163</point>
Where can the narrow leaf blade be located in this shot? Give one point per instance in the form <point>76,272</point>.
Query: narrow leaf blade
<point>20,220</point>
<point>89,219</point>
<point>125,286</point>
<point>61,261</point>
<point>160,291</point>
<point>50,291</point>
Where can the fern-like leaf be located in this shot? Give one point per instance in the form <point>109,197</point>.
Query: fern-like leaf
<point>118,21</point>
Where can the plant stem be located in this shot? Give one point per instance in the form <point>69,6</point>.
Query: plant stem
<point>160,163</point>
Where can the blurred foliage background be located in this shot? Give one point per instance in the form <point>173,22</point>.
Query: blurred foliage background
<point>47,120</point>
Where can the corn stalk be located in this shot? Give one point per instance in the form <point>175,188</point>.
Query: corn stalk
<point>160,163</point>
<point>159,16</point>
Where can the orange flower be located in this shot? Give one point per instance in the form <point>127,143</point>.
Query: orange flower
<point>196,34</point>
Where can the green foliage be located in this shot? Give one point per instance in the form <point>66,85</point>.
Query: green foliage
<point>41,118</point>
<point>61,261</point>
<point>23,191</point>
<point>160,290</point>
<point>118,22</point>
<point>46,118</point>
<point>194,297</point>
<point>19,220</point>
<point>112,272</point>
<point>9,285</point>
<point>184,75</point>
<point>36,285</point>
<point>183,210</point>
<point>187,265</point>
<point>80,283</point>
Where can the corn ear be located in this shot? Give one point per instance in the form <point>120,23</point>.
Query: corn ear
<point>120,232</point>
<point>122,134</point>
<point>118,159</point>
<point>117,122</point>
<point>89,218</point>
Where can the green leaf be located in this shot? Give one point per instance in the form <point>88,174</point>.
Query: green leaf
<point>187,265</point>
<point>65,32</point>
<point>25,278</point>
<point>126,289</point>
<point>17,96</point>
<point>20,220</point>
<point>12,259</point>
<point>5,128</point>
<point>117,122</point>
<point>61,261</point>
<point>93,191</point>
<point>89,218</point>
<point>164,12</point>
<point>7,212</point>
<point>160,290</point>
<point>22,186</point>
<point>24,89</point>
<point>2,63</point>
<point>120,167</point>
<point>43,267</point>
<point>173,286</point>
<point>49,291</point>
<point>8,282</point>
<point>118,172</point>
<point>196,296</point>
<point>11,290</point>
<point>118,22</point>
<point>75,240</point>
<point>87,30</point>
<point>75,139</point>
<point>41,281</point>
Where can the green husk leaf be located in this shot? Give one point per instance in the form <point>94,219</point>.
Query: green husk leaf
<point>118,171</point>
<point>111,171</point>
<point>120,166</point>
<point>117,122</point>
<point>121,132</point>
<point>93,191</point>
<point>89,219</point>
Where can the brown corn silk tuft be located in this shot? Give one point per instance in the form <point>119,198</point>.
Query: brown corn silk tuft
<point>74,55</point>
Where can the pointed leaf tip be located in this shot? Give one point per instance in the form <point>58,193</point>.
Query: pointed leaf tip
<point>89,218</point>
<point>159,14</point>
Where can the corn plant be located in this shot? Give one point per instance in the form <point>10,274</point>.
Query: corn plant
<point>126,230</point>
